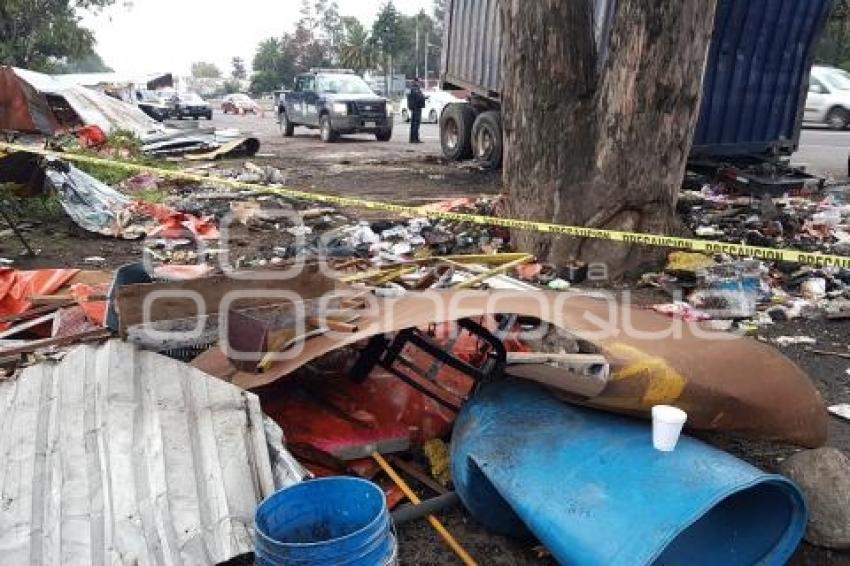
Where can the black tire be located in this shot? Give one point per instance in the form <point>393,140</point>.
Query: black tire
<point>432,116</point>
<point>456,131</point>
<point>384,135</point>
<point>287,128</point>
<point>838,119</point>
<point>487,142</point>
<point>326,130</point>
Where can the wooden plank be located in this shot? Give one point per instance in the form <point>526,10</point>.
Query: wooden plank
<point>419,475</point>
<point>36,312</point>
<point>89,336</point>
<point>213,291</point>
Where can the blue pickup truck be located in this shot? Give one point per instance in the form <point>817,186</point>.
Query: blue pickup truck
<point>336,102</point>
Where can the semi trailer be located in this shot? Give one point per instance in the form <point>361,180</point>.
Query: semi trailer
<point>754,90</point>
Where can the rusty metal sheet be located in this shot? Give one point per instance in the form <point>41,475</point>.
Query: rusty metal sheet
<point>22,108</point>
<point>725,382</point>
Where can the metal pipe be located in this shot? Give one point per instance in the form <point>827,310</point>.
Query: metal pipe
<point>438,526</point>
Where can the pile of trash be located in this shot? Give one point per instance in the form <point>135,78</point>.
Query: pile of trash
<point>747,295</point>
<point>412,365</point>
<point>816,222</point>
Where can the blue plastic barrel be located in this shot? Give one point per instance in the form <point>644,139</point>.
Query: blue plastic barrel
<point>338,521</point>
<point>591,487</point>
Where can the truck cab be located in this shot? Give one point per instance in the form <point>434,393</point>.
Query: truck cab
<point>336,102</point>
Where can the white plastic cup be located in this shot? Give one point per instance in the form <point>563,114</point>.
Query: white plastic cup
<point>667,424</point>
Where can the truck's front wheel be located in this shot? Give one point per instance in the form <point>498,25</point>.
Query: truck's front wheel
<point>456,131</point>
<point>287,128</point>
<point>327,130</point>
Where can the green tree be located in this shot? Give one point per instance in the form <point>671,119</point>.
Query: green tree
<point>357,51</point>
<point>238,71</point>
<point>274,64</point>
<point>436,50</point>
<point>834,48</point>
<point>204,70</point>
<point>91,63</point>
<point>232,86</point>
<point>389,37</point>
<point>43,35</point>
<point>332,27</point>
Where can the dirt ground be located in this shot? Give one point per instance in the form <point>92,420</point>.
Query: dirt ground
<point>398,172</point>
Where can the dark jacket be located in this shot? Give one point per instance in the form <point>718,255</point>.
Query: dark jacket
<point>415,99</point>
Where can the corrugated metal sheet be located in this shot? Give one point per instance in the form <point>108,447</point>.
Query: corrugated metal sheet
<point>472,57</point>
<point>117,456</point>
<point>757,75</point>
<point>472,46</point>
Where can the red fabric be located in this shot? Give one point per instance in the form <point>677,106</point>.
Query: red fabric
<point>176,225</point>
<point>95,310</point>
<point>18,287</point>
<point>91,136</point>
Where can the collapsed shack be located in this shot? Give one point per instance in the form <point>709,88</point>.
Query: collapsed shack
<point>36,104</point>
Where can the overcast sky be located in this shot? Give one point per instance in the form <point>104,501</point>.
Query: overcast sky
<point>168,35</point>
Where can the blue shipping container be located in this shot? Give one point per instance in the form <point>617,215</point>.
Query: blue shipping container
<point>757,76</point>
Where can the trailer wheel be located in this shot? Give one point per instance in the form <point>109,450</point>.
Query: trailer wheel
<point>456,131</point>
<point>487,139</point>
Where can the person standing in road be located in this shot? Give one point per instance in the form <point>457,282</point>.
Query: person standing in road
<point>415,103</point>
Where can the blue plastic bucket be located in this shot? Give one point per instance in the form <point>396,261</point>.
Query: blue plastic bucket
<point>594,491</point>
<point>338,521</point>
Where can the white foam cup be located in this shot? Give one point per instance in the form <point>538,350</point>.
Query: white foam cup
<point>667,423</point>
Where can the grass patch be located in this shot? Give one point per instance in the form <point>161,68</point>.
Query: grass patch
<point>123,146</point>
<point>45,208</point>
<point>155,196</point>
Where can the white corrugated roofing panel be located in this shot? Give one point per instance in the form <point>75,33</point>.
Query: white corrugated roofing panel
<point>118,456</point>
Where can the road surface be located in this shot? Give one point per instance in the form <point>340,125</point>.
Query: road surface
<point>824,152</point>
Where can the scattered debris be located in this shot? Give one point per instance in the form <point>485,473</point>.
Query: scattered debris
<point>842,411</point>
<point>785,341</point>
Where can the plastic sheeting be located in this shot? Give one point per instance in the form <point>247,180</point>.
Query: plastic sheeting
<point>100,209</point>
<point>117,456</point>
<point>18,287</point>
<point>92,205</point>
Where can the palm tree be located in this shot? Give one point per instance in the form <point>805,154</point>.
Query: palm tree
<point>357,51</point>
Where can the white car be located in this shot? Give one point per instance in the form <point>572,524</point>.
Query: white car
<point>434,105</point>
<point>828,101</point>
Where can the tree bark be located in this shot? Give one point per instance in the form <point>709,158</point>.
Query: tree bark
<point>600,137</point>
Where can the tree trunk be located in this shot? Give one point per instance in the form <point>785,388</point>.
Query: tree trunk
<point>598,131</point>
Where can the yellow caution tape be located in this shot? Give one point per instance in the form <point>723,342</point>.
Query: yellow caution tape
<point>710,246</point>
